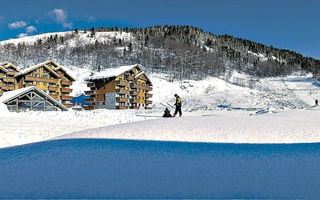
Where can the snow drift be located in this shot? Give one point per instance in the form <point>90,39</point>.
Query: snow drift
<point>298,126</point>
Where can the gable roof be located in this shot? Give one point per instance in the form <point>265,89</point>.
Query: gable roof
<point>51,61</point>
<point>112,72</point>
<point>8,65</point>
<point>8,96</point>
<point>65,71</point>
<point>143,74</point>
<point>3,69</point>
<point>30,69</point>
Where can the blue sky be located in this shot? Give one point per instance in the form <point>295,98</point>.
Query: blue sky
<point>289,24</point>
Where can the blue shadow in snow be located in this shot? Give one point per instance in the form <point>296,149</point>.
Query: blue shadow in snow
<point>102,168</point>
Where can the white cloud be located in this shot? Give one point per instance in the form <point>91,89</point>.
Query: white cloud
<point>91,19</point>
<point>17,24</point>
<point>60,16</point>
<point>22,35</point>
<point>31,29</point>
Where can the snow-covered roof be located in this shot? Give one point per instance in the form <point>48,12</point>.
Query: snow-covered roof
<point>142,73</point>
<point>35,67</point>
<point>65,71</point>
<point>7,65</point>
<point>7,96</point>
<point>3,69</point>
<point>112,72</point>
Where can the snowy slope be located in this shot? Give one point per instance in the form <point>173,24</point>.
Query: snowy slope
<point>104,169</point>
<point>224,127</point>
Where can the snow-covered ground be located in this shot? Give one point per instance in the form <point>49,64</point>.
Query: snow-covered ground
<point>237,110</point>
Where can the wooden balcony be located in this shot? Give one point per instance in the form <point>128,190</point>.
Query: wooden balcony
<point>53,88</point>
<point>12,73</point>
<point>122,91</point>
<point>121,107</point>
<point>148,95</point>
<point>39,79</point>
<point>66,90</point>
<point>66,83</point>
<point>148,108</point>
<point>68,105</point>
<point>121,99</point>
<point>55,96</point>
<point>143,87</point>
<point>130,77</point>
<point>1,75</point>
<point>122,83</point>
<point>90,92</point>
<point>65,97</point>
<point>134,107</point>
<point>7,87</point>
<point>148,102</point>
<point>134,100</point>
<point>9,80</point>
<point>134,93</point>
<point>28,84</point>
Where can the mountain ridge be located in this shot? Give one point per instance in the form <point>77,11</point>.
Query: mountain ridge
<point>181,51</point>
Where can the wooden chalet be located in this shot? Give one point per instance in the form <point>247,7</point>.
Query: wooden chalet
<point>49,77</point>
<point>7,80</point>
<point>31,99</point>
<point>119,88</point>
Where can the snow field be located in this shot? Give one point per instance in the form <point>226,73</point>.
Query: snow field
<point>299,126</point>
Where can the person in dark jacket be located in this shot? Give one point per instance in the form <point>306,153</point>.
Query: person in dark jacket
<point>166,113</point>
<point>178,106</point>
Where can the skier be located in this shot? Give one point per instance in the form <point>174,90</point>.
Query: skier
<point>316,102</point>
<point>166,113</point>
<point>178,106</point>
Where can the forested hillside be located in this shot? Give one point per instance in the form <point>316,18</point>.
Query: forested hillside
<point>181,51</point>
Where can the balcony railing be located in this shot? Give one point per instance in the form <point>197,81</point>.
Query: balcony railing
<point>68,105</point>
<point>65,97</point>
<point>55,96</point>
<point>28,84</point>
<point>66,90</point>
<point>122,107</point>
<point>122,83</point>
<point>148,102</point>
<point>143,87</point>
<point>40,79</point>
<point>9,80</point>
<point>66,83</point>
<point>148,95</point>
<point>12,73</point>
<point>148,108</point>
<point>52,88</point>
<point>134,100</point>
<point>122,91</point>
<point>7,87</point>
<point>121,99</point>
<point>130,77</point>
<point>134,107</point>
<point>134,93</point>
